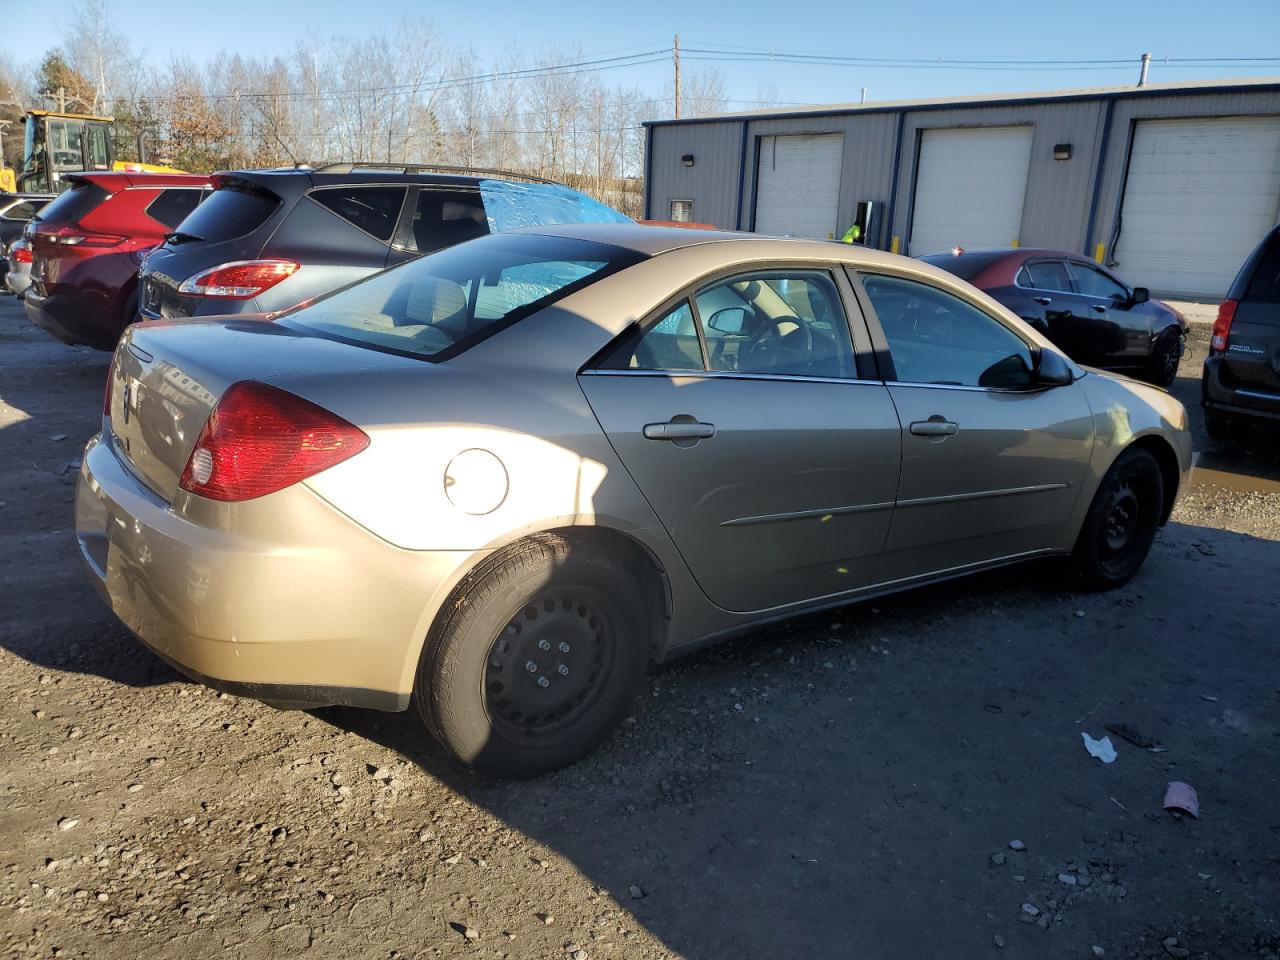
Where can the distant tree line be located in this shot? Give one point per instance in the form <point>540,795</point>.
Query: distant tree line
<point>407,97</point>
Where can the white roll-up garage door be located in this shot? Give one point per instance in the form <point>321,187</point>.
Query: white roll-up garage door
<point>798,184</point>
<point>1199,196</point>
<point>970,185</point>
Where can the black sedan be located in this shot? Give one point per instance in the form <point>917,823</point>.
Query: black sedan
<point>1087,310</point>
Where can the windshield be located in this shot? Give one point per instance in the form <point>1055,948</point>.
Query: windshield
<point>441,304</point>
<point>509,205</point>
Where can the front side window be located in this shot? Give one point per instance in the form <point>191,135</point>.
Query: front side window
<point>99,155</point>
<point>440,304</point>
<point>1048,275</point>
<point>682,211</point>
<point>1095,283</point>
<point>374,210</point>
<point>935,337</point>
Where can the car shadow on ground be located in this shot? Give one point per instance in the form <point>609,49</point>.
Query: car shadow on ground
<point>839,784</point>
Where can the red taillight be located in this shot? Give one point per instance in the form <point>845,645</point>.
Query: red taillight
<point>239,280</point>
<point>106,394</point>
<point>1222,325</point>
<point>20,254</point>
<point>260,439</point>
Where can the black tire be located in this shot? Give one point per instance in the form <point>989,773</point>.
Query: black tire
<point>537,659</point>
<point>1162,365</point>
<point>1121,523</point>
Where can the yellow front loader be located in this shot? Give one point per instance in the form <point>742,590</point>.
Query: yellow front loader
<point>54,144</point>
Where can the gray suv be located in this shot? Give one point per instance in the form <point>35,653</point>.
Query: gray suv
<point>268,240</point>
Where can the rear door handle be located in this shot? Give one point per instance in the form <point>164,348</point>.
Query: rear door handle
<point>1043,301</point>
<point>934,427</point>
<point>679,431</point>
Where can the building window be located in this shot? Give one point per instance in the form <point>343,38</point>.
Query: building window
<point>682,211</point>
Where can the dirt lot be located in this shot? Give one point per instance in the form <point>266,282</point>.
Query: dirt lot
<point>850,785</point>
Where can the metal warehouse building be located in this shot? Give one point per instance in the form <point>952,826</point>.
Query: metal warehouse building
<point>1172,184</point>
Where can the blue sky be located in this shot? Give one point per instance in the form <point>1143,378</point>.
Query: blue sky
<point>987,29</point>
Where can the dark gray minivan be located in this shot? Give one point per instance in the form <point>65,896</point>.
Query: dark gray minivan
<point>267,240</point>
<point>1241,383</point>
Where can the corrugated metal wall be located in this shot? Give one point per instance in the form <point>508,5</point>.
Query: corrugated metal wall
<point>711,183</point>
<point>1070,204</point>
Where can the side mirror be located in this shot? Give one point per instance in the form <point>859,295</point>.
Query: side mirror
<point>1052,370</point>
<point>1140,295</point>
<point>729,320</point>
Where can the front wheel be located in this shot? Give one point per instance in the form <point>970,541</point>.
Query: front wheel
<point>537,660</point>
<point>1121,523</point>
<point>1162,366</point>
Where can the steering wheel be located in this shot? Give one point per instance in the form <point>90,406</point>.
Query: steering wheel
<point>773,342</point>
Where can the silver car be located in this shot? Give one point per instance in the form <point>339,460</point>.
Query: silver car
<point>18,277</point>
<point>497,482</point>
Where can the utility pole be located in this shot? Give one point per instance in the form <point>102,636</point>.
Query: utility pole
<point>864,95</point>
<point>1146,65</point>
<point>675,55</point>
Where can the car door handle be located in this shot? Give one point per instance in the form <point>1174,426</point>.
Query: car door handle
<point>679,431</point>
<point>1043,301</point>
<point>934,427</point>
<point>1099,308</point>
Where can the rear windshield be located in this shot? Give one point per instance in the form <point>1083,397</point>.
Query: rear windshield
<point>966,266</point>
<point>74,205</point>
<point>1264,285</point>
<point>230,212</point>
<point>508,205</point>
<point>439,305</point>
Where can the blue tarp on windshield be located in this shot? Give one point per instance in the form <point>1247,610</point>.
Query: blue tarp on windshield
<point>509,205</point>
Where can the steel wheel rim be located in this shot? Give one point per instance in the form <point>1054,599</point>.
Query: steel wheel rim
<point>548,664</point>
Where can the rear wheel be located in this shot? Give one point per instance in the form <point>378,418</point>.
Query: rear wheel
<point>1162,367</point>
<point>1121,523</point>
<point>537,661</point>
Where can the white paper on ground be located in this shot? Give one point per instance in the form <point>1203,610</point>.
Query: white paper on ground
<point>1102,749</point>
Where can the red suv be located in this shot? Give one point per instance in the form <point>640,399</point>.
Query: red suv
<point>87,246</point>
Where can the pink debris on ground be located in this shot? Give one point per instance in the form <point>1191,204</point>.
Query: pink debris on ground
<point>1182,796</point>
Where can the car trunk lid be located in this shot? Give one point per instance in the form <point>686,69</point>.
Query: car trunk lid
<point>167,379</point>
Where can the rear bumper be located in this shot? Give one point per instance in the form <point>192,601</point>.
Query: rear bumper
<point>316,611</point>
<point>66,317</point>
<point>1216,393</point>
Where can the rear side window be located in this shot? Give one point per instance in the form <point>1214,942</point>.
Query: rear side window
<point>375,210</point>
<point>1264,285</point>
<point>171,207</point>
<point>76,204</point>
<point>230,212</point>
<point>437,306</point>
<point>1048,275</point>
<point>22,211</point>
<point>445,217</point>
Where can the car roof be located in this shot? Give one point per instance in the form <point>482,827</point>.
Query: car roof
<point>651,240</point>
<point>120,179</point>
<point>308,177</point>
<point>1020,253</point>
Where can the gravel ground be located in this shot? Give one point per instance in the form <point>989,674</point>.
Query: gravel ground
<point>903,780</point>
